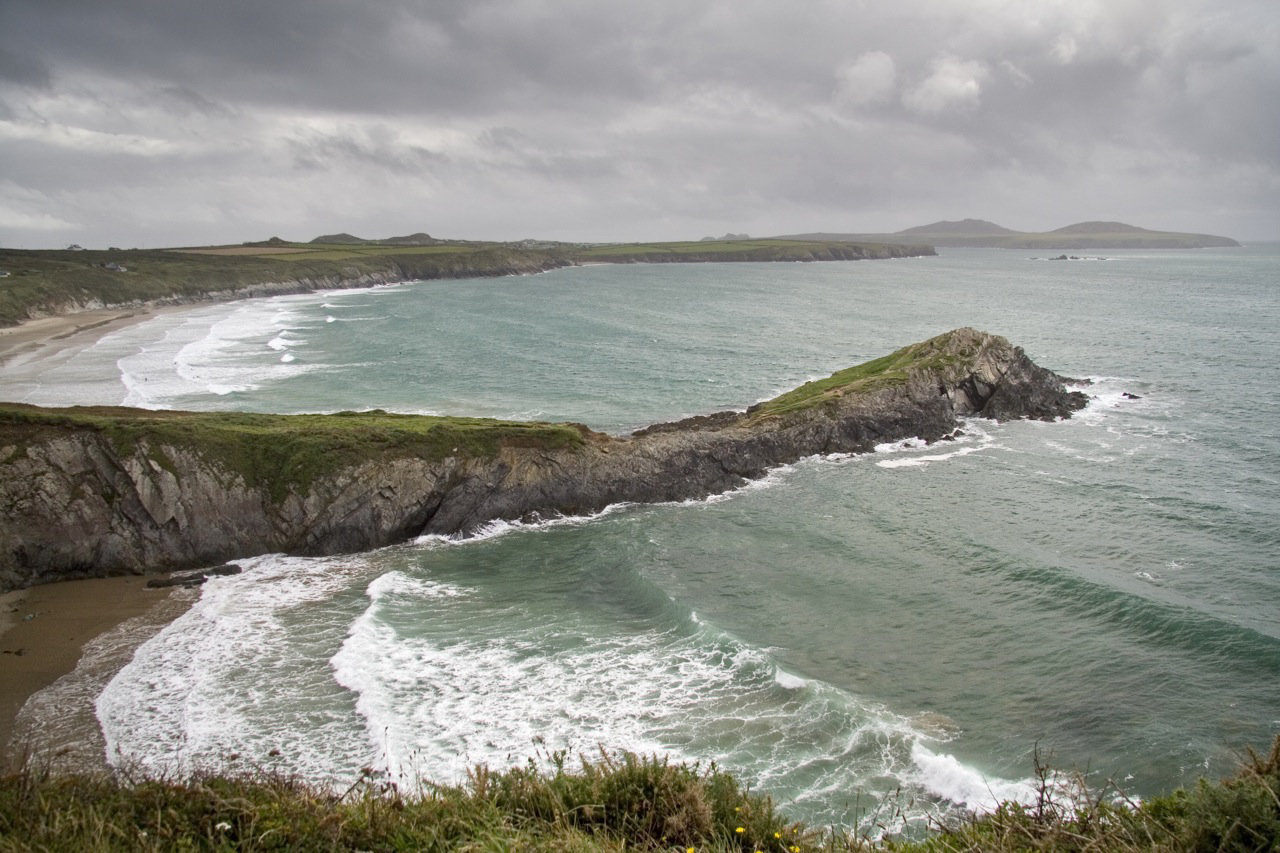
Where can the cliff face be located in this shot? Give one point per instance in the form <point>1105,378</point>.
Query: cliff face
<point>79,502</point>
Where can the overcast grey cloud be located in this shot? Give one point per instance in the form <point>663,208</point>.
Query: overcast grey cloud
<point>168,122</point>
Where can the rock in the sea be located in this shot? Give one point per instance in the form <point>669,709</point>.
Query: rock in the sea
<point>194,578</point>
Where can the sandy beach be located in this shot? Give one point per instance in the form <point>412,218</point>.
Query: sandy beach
<point>59,644</point>
<point>45,630</point>
<point>35,341</point>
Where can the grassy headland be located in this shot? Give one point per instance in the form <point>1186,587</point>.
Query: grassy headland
<point>45,282</point>
<point>619,803</point>
<point>950,348</point>
<point>283,452</point>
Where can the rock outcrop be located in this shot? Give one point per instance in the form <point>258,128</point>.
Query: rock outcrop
<point>81,499</point>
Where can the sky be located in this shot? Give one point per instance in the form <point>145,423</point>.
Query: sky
<point>146,123</point>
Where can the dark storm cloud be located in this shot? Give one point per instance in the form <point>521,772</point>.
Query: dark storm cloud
<point>21,68</point>
<point>598,120</point>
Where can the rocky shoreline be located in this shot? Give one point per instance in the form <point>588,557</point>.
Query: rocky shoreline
<point>82,502</point>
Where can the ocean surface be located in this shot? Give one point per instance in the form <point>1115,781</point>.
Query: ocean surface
<point>915,623</point>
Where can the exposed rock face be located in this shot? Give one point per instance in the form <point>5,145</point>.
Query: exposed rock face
<point>77,505</point>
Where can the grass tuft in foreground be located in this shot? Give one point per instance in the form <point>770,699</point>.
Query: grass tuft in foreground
<point>626,802</point>
<point>619,803</point>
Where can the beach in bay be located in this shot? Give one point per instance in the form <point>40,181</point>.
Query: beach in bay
<point>44,629</point>
<point>46,634</point>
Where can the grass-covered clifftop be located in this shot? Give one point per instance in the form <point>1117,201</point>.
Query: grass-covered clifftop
<point>41,283</point>
<point>280,452</point>
<point>939,353</point>
<point>619,803</point>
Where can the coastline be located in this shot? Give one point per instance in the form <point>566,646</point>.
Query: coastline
<point>33,342</point>
<point>49,633</point>
<point>60,643</point>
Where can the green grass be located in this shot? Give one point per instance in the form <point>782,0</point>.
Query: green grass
<point>314,251</point>
<point>284,452</point>
<point>51,282</point>
<point>893,369</point>
<point>617,803</point>
<point>1240,814</point>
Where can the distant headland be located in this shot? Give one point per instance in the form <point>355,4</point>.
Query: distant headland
<point>979,233</point>
<point>43,283</point>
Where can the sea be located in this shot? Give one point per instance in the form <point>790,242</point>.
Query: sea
<point>901,634</point>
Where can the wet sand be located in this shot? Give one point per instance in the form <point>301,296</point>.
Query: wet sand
<point>36,340</point>
<point>59,644</point>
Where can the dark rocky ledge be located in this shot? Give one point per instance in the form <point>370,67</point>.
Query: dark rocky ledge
<point>97,492</point>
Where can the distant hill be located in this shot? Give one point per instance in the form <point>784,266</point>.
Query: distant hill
<point>960,228</point>
<point>1101,228</point>
<point>419,239</point>
<point>343,239</point>
<point>979,233</point>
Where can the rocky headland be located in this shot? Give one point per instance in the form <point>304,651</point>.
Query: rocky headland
<point>99,491</point>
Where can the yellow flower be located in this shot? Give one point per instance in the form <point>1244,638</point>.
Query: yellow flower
<point>739,830</point>
<point>777,835</point>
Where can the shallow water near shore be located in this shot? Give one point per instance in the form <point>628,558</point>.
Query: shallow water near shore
<point>923,618</point>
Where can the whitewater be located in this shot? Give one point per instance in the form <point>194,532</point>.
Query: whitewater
<point>914,623</point>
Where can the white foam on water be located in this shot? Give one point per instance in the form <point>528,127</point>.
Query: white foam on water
<point>436,708</point>
<point>236,675</point>
<point>493,684</point>
<point>789,681</point>
<point>1107,394</point>
<point>218,350</point>
<point>947,778</point>
<point>226,359</point>
<point>502,527</point>
<point>908,453</point>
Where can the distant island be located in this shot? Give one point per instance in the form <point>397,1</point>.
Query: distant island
<point>979,233</point>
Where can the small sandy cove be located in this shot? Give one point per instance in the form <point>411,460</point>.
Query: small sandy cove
<point>43,629</point>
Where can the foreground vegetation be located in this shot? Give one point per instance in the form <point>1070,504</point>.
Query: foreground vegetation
<point>622,803</point>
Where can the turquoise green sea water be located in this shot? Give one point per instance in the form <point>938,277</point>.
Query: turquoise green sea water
<point>1104,589</point>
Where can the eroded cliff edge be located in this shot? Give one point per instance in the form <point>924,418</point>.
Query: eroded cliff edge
<point>94,491</point>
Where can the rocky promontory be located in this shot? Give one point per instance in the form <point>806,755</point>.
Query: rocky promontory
<point>99,491</point>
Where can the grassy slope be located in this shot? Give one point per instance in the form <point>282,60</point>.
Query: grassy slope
<point>47,281</point>
<point>946,350</point>
<point>291,450</point>
<point>620,803</point>
<point>44,282</point>
<point>283,452</point>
